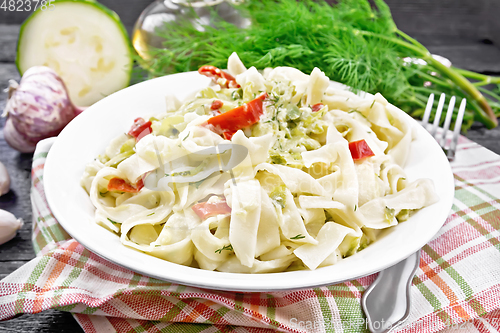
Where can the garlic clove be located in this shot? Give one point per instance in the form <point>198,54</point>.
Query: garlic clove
<point>9,226</point>
<point>4,180</point>
<point>16,139</point>
<point>38,108</point>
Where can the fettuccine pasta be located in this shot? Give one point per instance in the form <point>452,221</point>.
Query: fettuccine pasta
<point>321,173</point>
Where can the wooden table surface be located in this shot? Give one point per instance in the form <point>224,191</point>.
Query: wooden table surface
<point>461,32</point>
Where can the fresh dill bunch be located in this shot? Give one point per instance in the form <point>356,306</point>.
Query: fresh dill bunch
<point>353,42</point>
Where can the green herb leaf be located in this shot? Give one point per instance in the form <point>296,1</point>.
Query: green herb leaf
<point>299,236</point>
<point>224,248</point>
<point>115,223</point>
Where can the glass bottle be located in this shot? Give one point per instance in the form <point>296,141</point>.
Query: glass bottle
<point>152,20</point>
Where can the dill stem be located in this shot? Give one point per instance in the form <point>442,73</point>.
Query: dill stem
<point>418,98</point>
<point>412,40</point>
<point>489,119</point>
<point>496,106</point>
<point>481,83</point>
<point>418,50</point>
<point>421,100</point>
<point>479,112</point>
<point>435,80</point>
<point>490,93</point>
<point>484,79</point>
<point>428,90</point>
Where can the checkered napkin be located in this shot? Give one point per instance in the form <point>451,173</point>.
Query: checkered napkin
<point>456,288</point>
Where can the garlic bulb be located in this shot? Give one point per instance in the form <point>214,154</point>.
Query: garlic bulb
<point>4,180</point>
<point>9,226</point>
<point>38,107</point>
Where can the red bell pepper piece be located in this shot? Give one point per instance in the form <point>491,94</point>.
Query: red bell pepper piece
<point>118,184</point>
<point>216,104</point>
<point>225,80</point>
<point>360,149</point>
<point>140,129</point>
<point>207,209</point>
<point>240,117</point>
<point>228,135</point>
<point>316,107</point>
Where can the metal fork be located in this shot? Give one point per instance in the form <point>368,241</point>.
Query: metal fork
<point>442,134</point>
<point>387,302</point>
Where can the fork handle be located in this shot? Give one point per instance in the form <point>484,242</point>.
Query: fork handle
<point>386,302</point>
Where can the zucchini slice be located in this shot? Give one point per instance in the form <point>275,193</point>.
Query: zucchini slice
<point>84,42</point>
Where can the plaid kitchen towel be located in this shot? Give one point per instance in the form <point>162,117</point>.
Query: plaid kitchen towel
<point>456,288</point>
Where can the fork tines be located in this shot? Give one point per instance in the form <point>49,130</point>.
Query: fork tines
<point>447,140</point>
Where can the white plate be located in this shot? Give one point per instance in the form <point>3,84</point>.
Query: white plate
<point>88,135</point>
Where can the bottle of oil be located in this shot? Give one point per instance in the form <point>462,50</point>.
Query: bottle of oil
<point>162,14</point>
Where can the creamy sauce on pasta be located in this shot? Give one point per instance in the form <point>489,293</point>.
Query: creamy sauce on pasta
<point>297,200</point>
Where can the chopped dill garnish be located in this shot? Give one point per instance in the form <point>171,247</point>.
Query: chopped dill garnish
<point>150,214</point>
<point>224,248</point>
<point>358,112</point>
<point>115,223</point>
<point>299,236</point>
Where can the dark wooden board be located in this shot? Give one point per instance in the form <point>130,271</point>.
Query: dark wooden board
<point>51,321</point>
